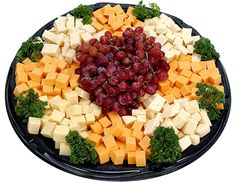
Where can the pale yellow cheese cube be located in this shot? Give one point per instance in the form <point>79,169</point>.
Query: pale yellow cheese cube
<point>44,120</point>
<point>84,134</point>
<point>56,116</point>
<point>83,94</point>
<point>74,125</point>
<point>65,122</point>
<point>73,110</point>
<point>81,119</point>
<point>83,101</point>
<point>45,99</point>
<point>60,133</point>
<point>64,149</point>
<point>85,109</point>
<point>90,118</point>
<point>72,97</point>
<point>95,109</point>
<point>33,125</point>
<point>61,105</point>
<point>57,145</point>
<point>48,129</point>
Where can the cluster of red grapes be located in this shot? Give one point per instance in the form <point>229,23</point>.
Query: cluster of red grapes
<point>117,70</point>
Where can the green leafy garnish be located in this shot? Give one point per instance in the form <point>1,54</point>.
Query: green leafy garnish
<point>29,105</point>
<point>84,12</point>
<point>142,12</point>
<point>30,49</point>
<point>210,98</point>
<point>82,152</point>
<point>165,146</point>
<point>206,49</point>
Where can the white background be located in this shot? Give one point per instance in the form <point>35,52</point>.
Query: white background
<point>20,19</point>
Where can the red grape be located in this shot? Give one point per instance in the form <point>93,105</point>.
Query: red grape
<point>120,55</point>
<point>108,34</point>
<point>93,51</point>
<point>123,86</point>
<point>138,30</point>
<point>136,86</point>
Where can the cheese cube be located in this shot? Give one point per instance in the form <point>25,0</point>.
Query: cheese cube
<point>161,29</point>
<point>64,149</point>
<point>181,101</point>
<point>105,122</point>
<point>140,158</point>
<point>129,120</point>
<point>44,120</point>
<point>61,105</point>
<point>196,116</point>
<point>83,94</point>
<point>72,97</point>
<point>196,58</point>
<point>48,36</point>
<point>136,112</point>
<point>109,142</point>
<point>175,28</point>
<point>168,123</point>
<point>74,110</point>
<point>85,109</point>
<point>70,54</point>
<point>90,118</point>
<point>103,154</point>
<point>56,116</point>
<point>196,38</point>
<point>64,49</point>
<point>131,157</point>
<point>57,145</point>
<point>190,49</point>
<point>89,28</point>
<point>78,23</point>
<point>141,118</point>
<point>204,118</point>
<point>202,130</point>
<point>74,125</point>
<point>170,36</point>
<point>181,119</point>
<point>65,122</point>
<point>51,50</point>
<point>151,126</point>
<point>157,104</point>
<point>33,125</point>
<point>161,39</point>
<point>84,134</point>
<point>130,144</point>
<point>190,127</point>
<point>99,34</point>
<point>117,156</point>
<point>145,142</point>
<point>195,139</point>
<point>75,40</point>
<point>171,110</point>
<point>84,101</point>
<point>96,127</point>
<point>137,125</point>
<point>48,129</point>
<point>169,55</point>
<point>45,99</point>
<point>147,28</point>
<point>151,115</point>
<point>138,134</point>
<point>95,139</point>
<point>58,39</point>
<point>60,26</point>
<point>20,88</point>
<point>185,142</point>
<point>95,109</point>
<point>62,80</point>
<point>60,133</point>
<point>192,106</point>
<point>81,120</point>
<point>182,49</point>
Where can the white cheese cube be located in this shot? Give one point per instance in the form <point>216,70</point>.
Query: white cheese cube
<point>178,41</point>
<point>72,97</point>
<point>177,53</point>
<point>85,109</point>
<point>166,20</point>
<point>161,29</point>
<point>95,109</point>
<point>195,139</point>
<point>83,94</point>
<point>57,145</point>
<point>45,99</point>
<point>129,120</point>
<point>74,110</point>
<point>64,49</point>
<point>196,38</point>
<point>48,112</point>
<point>185,142</point>
<point>190,127</point>
<point>75,40</point>
<point>204,118</point>
<point>60,26</point>
<point>151,126</point>
<point>90,118</point>
<point>190,49</point>
<point>146,96</point>
<point>192,106</point>
<point>181,101</point>
<point>196,58</point>
<point>170,36</point>
<point>168,123</point>
<point>171,111</point>
<point>51,50</point>
<point>70,55</point>
<point>48,129</point>
<point>48,36</point>
<point>61,105</point>
<point>168,46</point>
<point>187,40</point>
<point>74,125</point>
<point>83,129</point>
<point>182,49</point>
<point>99,34</point>
<point>44,120</point>
<point>53,30</point>
<point>180,134</point>
<point>84,101</point>
<point>181,119</point>
<point>78,23</point>
<point>33,125</point>
<point>141,118</point>
<point>89,28</point>
<point>157,104</point>
<point>70,24</point>
<point>151,33</point>
<point>60,133</point>
<point>53,99</point>
<point>161,39</point>
<point>65,122</point>
<point>202,130</point>
<point>196,116</point>
<point>169,55</point>
<point>84,134</point>
<point>187,35</point>
<point>166,105</point>
<point>80,119</point>
<point>148,28</point>
<point>151,115</point>
<point>175,28</point>
<point>136,112</point>
<point>62,19</point>
<point>58,39</point>
<point>56,116</point>
<point>160,117</point>
<point>64,149</point>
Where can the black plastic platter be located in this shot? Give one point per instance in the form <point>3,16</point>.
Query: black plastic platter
<point>44,148</point>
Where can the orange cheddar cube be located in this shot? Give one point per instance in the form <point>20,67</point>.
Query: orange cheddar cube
<point>116,24</point>
<point>174,65</point>
<point>138,23</point>
<point>169,98</point>
<point>210,65</point>
<point>127,22</point>
<point>61,65</point>
<point>115,118</point>
<point>129,11</point>
<point>121,145</point>
<point>96,127</point>
<point>105,122</point>
<point>186,73</point>
<point>205,75</point>
<point>118,33</point>
<point>50,79</point>
<point>181,80</point>
<point>126,132</point>
<point>107,131</point>
<point>117,156</point>
<point>176,92</point>
<point>111,19</point>
<point>140,158</point>
<point>95,139</point>
<point>102,19</point>
<point>47,90</point>
<point>56,91</point>
<point>145,142</point>
<point>97,26</point>
<point>195,78</point>
<point>97,12</point>
<point>130,144</point>
<point>184,65</point>
<point>27,61</point>
<point>172,77</point>
<point>107,27</point>
<point>117,130</point>
<point>132,18</point>
<point>62,80</point>
<point>19,68</point>
<point>164,85</point>
<point>74,81</point>
<point>185,90</point>
<point>109,142</point>
<point>21,77</point>
<point>29,67</point>
<point>214,78</point>
<point>138,134</point>
<point>137,125</point>
<point>203,65</point>
<point>185,58</point>
<point>20,88</point>
<point>122,16</point>
<point>108,10</point>
<point>193,94</point>
<point>196,67</point>
<point>37,74</point>
<point>49,68</point>
<point>46,59</point>
<point>148,152</point>
<point>118,9</point>
<point>33,84</point>
<point>103,154</point>
<point>131,157</point>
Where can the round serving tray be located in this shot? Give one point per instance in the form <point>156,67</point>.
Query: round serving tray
<point>44,148</point>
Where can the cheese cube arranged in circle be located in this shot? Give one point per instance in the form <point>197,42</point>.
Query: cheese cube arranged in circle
<point>190,127</point>
<point>202,130</point>
<point>90,118</point>
<point>48,129</point>
<point>151,126</point>
<point>168,123</point>
<point>195,139</point>
<point>157,104</point>
<point>72,97</point>
<point>192,106</point>
<point>129,120</point>
<point>60,133</point>
<point>204,118</point>
<point>171,110</point>
<point>185,142</point>
<point>83,94</point>
<point>33,125</point>
<point>56,116</point>
<point>64,149</point>
<point>74,110</point>
<point>181,119</point>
